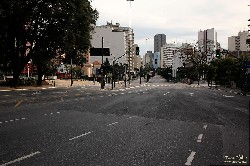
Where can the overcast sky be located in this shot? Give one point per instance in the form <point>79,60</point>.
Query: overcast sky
<point>180,20</point>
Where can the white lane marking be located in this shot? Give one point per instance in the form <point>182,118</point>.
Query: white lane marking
<point>16,119</point>
<point>80,136</point>
<point>5,90</point>
<point>6,121</point>
<point>199,138</point>
<point>11,120</point>
<point>227,96</point>
<point>51,113</point>
<point>133,117</point>
<point>57,92</point>
<point>21,89</point>
<point>23,118</point>
<point>112,124</point>
<point>37,93</point>
<point>190,158</point>
<point>45,114</point>
<point>205,127</point>
<point>243,110</point>
<point>21,158</point>
<point>58,112</point>
<point>1,122</point>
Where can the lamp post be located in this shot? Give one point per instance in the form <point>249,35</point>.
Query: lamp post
<point>130,13</point>
<point>130,33</point>
<point>71,72</point>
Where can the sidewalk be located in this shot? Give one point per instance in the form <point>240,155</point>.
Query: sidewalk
<point>52,84</point>
<point>219,88</point>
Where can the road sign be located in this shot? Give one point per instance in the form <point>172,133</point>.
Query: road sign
<point>246,64</point>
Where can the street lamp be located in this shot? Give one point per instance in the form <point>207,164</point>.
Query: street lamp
<point>130,13</point>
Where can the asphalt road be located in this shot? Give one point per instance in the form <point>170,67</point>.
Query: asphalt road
<point>158,123</point>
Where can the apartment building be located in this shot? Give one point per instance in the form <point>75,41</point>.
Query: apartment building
<point>119,39</point>
<point>159,41</point>
<point>148,59</point>
<point>207,43</point>
<point>137,60</point>
<point>167,53</point>
<point>239,43</point>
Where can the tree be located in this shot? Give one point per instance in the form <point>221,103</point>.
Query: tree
<point>196,58</point>
<point>43,27</point>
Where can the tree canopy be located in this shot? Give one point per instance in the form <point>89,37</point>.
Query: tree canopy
<point>45,28</point>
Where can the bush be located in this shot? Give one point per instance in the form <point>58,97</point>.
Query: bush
<point>21,82</point>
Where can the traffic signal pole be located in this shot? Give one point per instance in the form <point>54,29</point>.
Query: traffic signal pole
<point>102,72</point>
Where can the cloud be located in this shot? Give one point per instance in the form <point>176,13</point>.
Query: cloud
<point>179,19</point>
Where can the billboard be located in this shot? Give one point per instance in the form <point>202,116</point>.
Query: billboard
<point>98,51</point>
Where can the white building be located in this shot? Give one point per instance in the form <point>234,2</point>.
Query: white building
<point>238,43</point>
<point>113,40</point>
<point>167,54</point>
<point>207,43</point>
<point>148,59</point>
<point>137,60</point>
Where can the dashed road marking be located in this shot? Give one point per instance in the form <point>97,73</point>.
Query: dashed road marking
<point>190,158</point>
<point>243,110</point>
<point>80,136</point>
<point>20,159</point>
<point>12,120</point>
<point>205,127</point>
<point>112,124</point>
<point>5,90</point>
<point>199,138</point>
<point>228,96</point>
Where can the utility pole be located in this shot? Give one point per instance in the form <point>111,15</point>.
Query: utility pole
<point>113,75</point>
<point>71,72</point>
<point>140,75</point>
<point>102,72</point>
<point>125,76</point>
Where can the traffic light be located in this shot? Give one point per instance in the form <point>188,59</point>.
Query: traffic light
<point>218,53</point>
<point>137,50</point>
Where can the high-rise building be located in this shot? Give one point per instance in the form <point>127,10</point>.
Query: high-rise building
<point>167,54</point>
<point>148,59</point>
<point>159,41</point>
<point>207,42</point>
<point>137,60</point>
<point>119,39</point>
<point>239,43</point>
